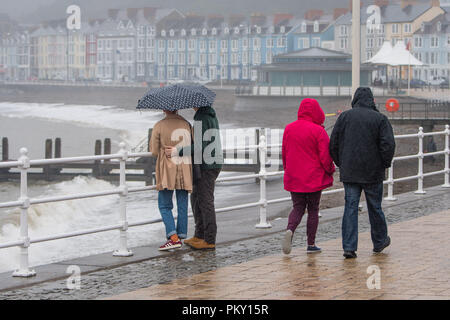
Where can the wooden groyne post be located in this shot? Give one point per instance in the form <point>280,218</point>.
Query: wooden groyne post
<point>5,154</point>
<point>97,152</point>
<point>48,155</point>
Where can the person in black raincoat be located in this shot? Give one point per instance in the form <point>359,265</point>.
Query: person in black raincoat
<point>362,145</point>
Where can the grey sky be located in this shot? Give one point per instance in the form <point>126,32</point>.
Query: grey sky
<point>33,11</point>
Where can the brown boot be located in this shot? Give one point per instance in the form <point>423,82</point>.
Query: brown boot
<point>192,240</point>
<point>203,245</point>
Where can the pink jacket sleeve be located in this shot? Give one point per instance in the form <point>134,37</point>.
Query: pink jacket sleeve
<point>283,148</point>
<point>324,153</point>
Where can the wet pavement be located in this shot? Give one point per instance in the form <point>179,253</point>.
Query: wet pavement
<point>406,270</point>
<point>185,263</point>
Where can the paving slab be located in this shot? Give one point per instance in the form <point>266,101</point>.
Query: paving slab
<point>327,275</point>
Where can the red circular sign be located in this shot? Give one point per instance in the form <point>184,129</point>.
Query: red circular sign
<point>392,105</point>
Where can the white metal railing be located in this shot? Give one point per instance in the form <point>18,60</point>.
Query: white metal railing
<point>24,202</point>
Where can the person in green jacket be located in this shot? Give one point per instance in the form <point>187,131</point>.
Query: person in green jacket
<point>208,161</point>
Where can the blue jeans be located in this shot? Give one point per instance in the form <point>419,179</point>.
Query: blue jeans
<point>165,206</point>
<point>378,226</point>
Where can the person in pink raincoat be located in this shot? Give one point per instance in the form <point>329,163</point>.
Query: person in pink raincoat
<point>308,169</point>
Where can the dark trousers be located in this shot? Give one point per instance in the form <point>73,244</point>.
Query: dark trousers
<point>202,202</point>
<point>378,226</point>
<point>301,202</point>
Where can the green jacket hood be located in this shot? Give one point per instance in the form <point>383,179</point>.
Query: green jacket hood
<point>205,111</point>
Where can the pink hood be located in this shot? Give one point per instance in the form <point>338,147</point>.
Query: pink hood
<point>310,110</point>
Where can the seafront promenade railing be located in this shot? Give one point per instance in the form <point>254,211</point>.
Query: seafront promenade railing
<point>23,164</point>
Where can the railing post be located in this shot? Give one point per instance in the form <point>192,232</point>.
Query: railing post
<point>24,270</point>
<point>390,196</point>
<point>123,250</point>
<point>420,171</point>
<point>447,157</point>
<point>263,224</point>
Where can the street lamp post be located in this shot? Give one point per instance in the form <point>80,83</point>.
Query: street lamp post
<point>356,45</point>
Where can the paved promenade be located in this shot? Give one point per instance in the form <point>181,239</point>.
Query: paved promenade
<point>415,266</point>
<point>248,262</point>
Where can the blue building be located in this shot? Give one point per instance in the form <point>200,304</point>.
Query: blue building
<point>312,33</point>
<point>432,47</point>
<point>216,48</point>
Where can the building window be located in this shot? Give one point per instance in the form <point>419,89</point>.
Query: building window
<point>281,42</point>
<point>245,43</point>
<point>161,58</point>
<point>418,42</point>
<point>316,42</point>
<point>181,44</point>
<point>434,42</point>
<point>212,58</point>
<point>191,58</point>
<point>269,43</point>
<point>303,29</point>
<point>212,45</point>
<point>256,43</point>
<point>316,26</point>
<point>150,43</point>
<point>245,57</point>
<point>191,44</point>
<point>234,58</point>
<point>181,58</point>
<point>150,56</point>
<point>343,30</point>
<point>203,45</point>
<point>305,43</point>
<point>203,59</point>
<point>269,57</point>
<point>234,45</point>
<point>223,59</point>
<point>171,45</point>
<point>171,59</point>
<point>344,43</point>
<point>395,28</point>
<point>434,58</point>
<point>224,45</point>
<point>161,45</point>
<point>257,58</point>
<point>407,28</point>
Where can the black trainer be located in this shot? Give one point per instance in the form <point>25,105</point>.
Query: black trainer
<point>350,254</point>
<point>386,244</point>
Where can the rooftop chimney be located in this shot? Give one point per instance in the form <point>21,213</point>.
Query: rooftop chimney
<point>279,17</point>
<point>435,3</point>
<point>314,14</point>
<point>382,3</point>
<point>337,12</point>
<point>405,3</point>
<point>258,19</point>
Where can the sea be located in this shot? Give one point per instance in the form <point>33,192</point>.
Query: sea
<point>29,125</point>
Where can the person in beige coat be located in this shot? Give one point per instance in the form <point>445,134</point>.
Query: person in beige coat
<point>172,174</point>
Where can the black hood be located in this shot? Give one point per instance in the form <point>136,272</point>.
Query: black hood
<point>205,111</point>
<point>364,98</point>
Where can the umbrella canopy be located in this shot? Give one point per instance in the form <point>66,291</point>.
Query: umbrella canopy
<point>177,97</point>
<point>381,55</point>
<point>397,56</point>
<point>400,56</point>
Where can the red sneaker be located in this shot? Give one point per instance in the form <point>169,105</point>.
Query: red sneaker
<point>170,245</point>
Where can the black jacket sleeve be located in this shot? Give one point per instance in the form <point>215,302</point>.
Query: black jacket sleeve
<point>334,141</point>
<point>386,142</point>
